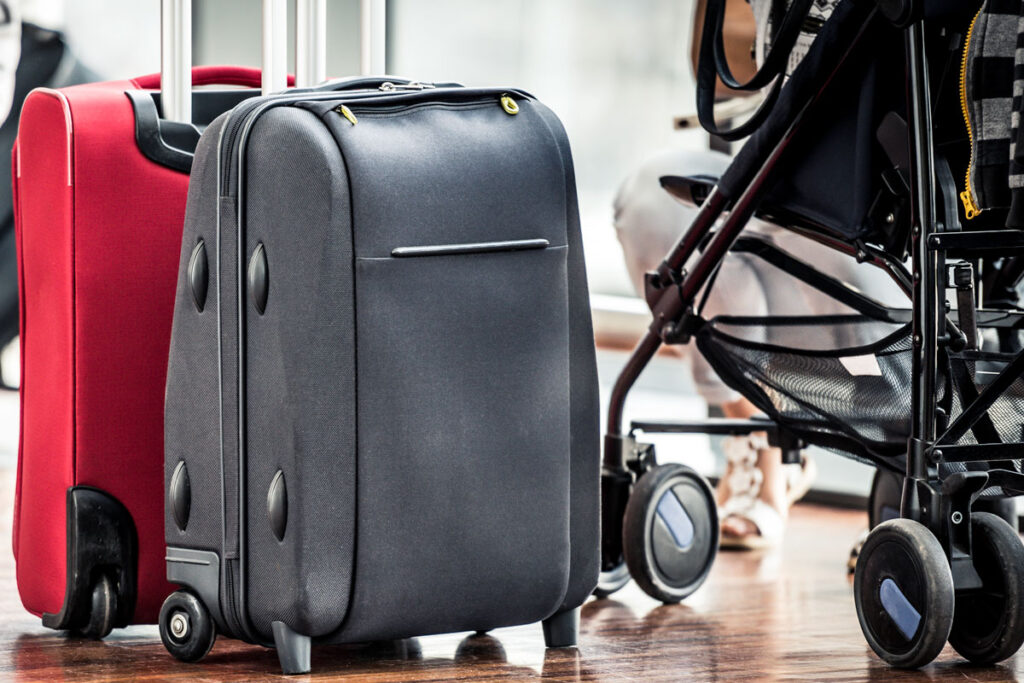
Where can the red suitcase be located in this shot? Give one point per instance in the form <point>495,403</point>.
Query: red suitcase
<point>100,185</point>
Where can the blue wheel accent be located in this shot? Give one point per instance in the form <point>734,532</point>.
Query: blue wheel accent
<point>679,524</point>
<point>903,614</point>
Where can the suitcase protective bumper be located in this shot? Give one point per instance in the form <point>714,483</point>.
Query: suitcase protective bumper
<point>381,414</point>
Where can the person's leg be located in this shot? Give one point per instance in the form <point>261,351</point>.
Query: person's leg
<point>781,485</point>
<point>754,473</point>
<point>648,222</point>
<point>753,492</point>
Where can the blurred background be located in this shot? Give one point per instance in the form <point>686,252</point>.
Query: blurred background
<point>617,74</point>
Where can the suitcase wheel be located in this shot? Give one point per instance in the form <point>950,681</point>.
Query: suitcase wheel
<point>103,609</point>
<point>186,628</point>
<point>670,532</point>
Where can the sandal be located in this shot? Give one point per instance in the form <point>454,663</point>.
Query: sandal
<point>800,477</point>
<point>745,479</point>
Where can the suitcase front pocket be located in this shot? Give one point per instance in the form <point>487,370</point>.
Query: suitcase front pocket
<point>463,433</point>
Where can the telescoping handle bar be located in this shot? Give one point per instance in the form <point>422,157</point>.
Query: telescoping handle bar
<point>310,48</point>
<point>176,59</point>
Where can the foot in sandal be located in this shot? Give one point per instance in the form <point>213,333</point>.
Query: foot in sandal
<point>756,491</point>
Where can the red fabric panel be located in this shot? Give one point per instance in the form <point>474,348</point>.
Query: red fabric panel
<point>46,464</point>
<point>128,214</point>
<point>21,326</point>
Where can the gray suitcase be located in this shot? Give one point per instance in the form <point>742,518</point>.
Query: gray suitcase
<point>382,412</point>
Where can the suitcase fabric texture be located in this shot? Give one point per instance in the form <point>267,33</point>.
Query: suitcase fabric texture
<point>382,412</point>
<point>100,184</point>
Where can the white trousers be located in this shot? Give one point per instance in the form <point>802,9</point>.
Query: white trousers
<point>648,222</point>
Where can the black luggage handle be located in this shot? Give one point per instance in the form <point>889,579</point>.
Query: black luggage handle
<point>712,65</point>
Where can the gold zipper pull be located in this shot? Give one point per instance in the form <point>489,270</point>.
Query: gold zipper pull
<point>509,105</point>
<point>347,113</point>
<point>971,209</point>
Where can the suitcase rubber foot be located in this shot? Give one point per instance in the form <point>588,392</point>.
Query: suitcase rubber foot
<point>292,649</point>
<point>561,629</point>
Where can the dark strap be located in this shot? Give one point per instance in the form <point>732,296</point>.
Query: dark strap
<point>984,430</point>
<point>778,55</point>
<point>712,65</point>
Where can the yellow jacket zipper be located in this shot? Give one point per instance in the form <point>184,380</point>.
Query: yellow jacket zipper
<point>971,208</point>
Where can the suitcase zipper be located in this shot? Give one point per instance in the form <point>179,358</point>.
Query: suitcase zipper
<point>229,589</point>
<point>971,208</point>
<point>507,103</point>
<point>347,113</point>
<point>238,117</point>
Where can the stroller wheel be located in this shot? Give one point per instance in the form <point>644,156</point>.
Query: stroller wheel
<point>988,625</point>
<point>903,590</point>
<point>670,532</point>
<point>884,499</point>
<point>610,581</point>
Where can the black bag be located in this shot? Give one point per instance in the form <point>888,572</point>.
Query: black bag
<point>846,173</point>
<point>382,414</point>
<point>45,61</point>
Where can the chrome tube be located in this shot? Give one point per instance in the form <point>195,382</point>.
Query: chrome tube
<point>176,59</point>
<point>310,42</point>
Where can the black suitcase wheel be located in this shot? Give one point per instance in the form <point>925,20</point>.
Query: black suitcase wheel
<point>186,627</point>
<point>988,625</point>
<point>670,532</point>
<point>903,590</point>
<point>102,609</point>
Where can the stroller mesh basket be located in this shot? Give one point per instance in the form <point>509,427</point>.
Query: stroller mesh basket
<point>844,382</point>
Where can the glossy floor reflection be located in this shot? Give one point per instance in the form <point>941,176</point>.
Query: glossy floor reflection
<point>785,615</point>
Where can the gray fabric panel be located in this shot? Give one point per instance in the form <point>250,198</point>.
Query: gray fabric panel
<point>300,375</point>
<point>463,430</point>
<point>191,412</point>
<point>476,176</point>
<point>585,497</point>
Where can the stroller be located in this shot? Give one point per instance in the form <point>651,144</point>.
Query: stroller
<point>856,152</point>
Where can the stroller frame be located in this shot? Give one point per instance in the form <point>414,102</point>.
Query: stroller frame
<point>936,517</point>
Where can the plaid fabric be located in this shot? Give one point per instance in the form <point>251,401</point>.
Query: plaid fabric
<point>768,15</point>
<point>988,82</point>
<point>1016,216</point>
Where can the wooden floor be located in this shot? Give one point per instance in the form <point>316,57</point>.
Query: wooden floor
<point>785,615</point>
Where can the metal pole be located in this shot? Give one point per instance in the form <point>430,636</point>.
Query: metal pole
<point>674,301</point>
<point>373,35</point>
<point>926,264</point>
<point>275,48</point>
<point>310,42</point>
<point>176,59</point>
